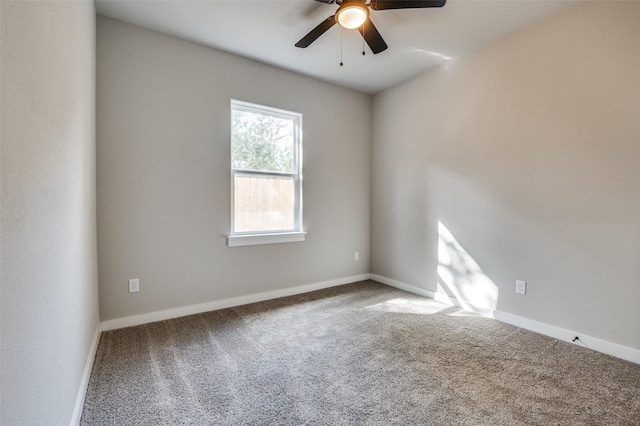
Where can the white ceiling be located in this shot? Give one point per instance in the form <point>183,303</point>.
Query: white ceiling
<point>266,30</point>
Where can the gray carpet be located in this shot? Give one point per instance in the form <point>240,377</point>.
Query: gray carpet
<point>363,354</point>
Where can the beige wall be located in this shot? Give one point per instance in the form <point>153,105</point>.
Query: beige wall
<point>49,296</point>
<point>163,108</point>
<point>528,153</point>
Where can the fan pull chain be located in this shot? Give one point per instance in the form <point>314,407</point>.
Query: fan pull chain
<point>363,27</point>
<point>341,63</point>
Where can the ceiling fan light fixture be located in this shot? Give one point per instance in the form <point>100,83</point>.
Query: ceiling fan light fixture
<point>351,17</point>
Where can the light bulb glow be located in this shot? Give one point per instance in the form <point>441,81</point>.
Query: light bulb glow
<point>351,17</point>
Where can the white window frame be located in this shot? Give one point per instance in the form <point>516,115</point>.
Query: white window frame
<point>235,239</point>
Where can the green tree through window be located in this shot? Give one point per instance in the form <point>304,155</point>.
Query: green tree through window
<point>262,142</point>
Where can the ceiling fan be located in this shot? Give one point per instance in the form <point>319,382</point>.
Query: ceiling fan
<point>352,14</point>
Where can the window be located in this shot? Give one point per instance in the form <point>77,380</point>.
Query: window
<point>266,178</point>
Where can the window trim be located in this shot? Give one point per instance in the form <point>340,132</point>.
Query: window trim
<point>235,239</point>
<point>259,239</point>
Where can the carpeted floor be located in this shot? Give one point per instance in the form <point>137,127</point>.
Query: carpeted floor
<point>360,354</point>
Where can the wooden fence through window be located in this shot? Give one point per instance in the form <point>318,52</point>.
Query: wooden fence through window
<point>263,203</point>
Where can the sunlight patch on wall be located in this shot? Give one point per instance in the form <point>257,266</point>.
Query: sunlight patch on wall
<point>460,276</point>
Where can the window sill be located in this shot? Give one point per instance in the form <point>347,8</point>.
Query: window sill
<point>259,239</point>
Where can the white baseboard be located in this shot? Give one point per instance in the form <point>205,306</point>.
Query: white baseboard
<point>593,343</point>
<point>86,374</point>
<point>596,344</point>
<point>226,303</point>
<point>437,296</point>
<point>403,286</point>
<point>599,345</point>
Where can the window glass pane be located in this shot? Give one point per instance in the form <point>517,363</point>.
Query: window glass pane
<point>262,142</point>
<point>263,203</point>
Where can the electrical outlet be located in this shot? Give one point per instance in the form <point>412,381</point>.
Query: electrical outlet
<point>356,256</point>
<point>521,287</point>
<point>134,285</point>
